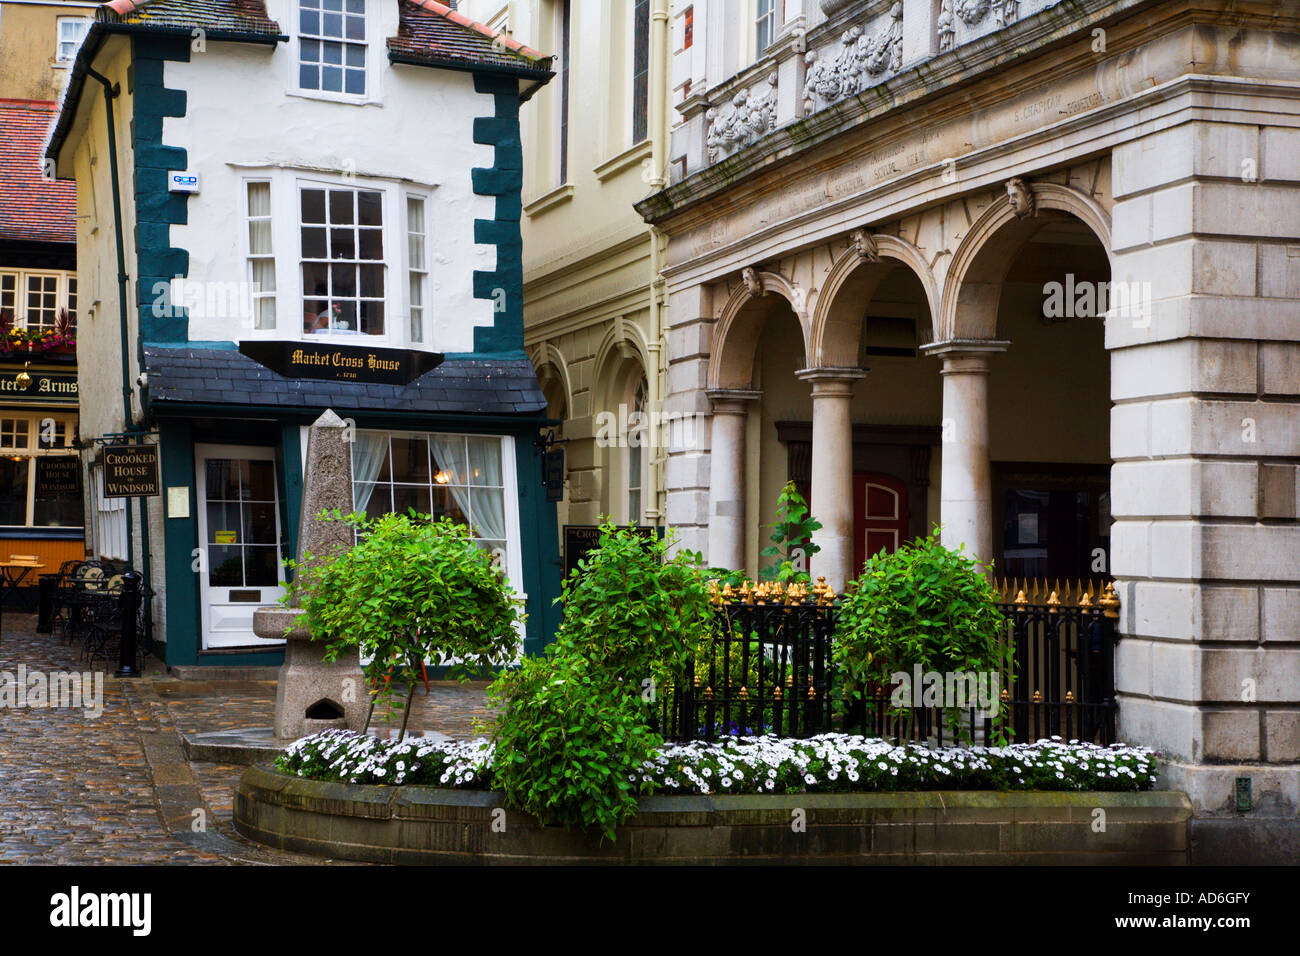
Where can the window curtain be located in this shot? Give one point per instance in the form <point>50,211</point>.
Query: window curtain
<point>368,454</point>
<point>449,456</point>
<point>489,503</point>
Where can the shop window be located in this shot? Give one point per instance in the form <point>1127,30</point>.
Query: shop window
<point>13,432</point>
<point>342,260</point>
<point>332,46</point>
<point>447,476</point>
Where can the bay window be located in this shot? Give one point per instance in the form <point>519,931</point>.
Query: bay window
<point>342,260</point>
<point>337,257</point>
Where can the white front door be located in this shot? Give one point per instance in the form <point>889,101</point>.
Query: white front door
<point>239,537</point>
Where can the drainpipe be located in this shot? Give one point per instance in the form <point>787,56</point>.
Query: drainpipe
<point>111,92</point>
<point>660,80</point>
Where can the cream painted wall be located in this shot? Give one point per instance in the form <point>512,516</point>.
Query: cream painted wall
<point>99,369</point>
<point>242,119</point>
<point>587,254</point>
<point>29,69</point>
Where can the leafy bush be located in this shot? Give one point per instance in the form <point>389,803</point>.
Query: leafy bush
<point>411,589</point>
<point>922,605</point>
<point>574,729</point>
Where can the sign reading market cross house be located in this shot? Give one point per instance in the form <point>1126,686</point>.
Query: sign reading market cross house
<point>131,471</point>
<point>342,363</point>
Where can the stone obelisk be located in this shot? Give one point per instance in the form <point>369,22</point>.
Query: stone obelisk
<point>312,695</point>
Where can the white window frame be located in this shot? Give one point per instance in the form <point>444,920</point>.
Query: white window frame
<point>20,285</point>
<point>773,18</point>
<point>109,521</point>
<point>412,272</point>
<point>61,61</point>
<point>246,216</point>
<point>375,61</point>
<point>286,243</point>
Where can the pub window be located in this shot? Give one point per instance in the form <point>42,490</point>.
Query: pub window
<point>42,301</point>
<point>453,476</point>
<point>261,261</point>
<point>72,303</point>
<point>342,232</point>
<point>8,297</point>
<point>40,473</point>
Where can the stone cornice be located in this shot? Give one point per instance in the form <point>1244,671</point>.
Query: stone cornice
<point>1021,41</point>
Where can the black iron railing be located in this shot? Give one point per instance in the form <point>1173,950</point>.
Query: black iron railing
<point>768,668</point>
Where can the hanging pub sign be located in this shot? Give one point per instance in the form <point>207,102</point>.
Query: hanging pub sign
<point>131,471</point>
<point>58,476</point>
<point>581,538</point>
<point>342,363</point>
<point>553,474</point>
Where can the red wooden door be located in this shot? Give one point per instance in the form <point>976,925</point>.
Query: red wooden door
<point>880,516</point>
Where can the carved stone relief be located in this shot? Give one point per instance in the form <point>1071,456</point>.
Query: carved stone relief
<point>972,13</point>
<point>750,115</point>
<point>861,58</point>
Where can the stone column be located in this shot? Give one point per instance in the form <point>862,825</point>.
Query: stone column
<point>727,476</point>
<point>832,471</point>
<point>966,487</point>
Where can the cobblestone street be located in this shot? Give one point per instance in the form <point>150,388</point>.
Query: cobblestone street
<point>117,789</point>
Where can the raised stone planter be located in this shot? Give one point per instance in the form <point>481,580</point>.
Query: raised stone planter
<point>430,825</point>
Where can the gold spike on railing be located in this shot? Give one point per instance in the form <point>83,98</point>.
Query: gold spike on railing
<point>776,692</point>
<point>1109,602</point>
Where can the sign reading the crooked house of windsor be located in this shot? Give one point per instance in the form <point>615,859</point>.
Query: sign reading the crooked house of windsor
<point>131,471</point>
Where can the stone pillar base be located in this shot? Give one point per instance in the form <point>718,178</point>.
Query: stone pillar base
<point>1275,788</point>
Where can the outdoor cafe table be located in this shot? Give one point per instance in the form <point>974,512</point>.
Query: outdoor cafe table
<point>12,574</point>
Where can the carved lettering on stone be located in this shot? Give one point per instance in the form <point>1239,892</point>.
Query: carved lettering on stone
<point>749,116</point>
<point>860,59</point>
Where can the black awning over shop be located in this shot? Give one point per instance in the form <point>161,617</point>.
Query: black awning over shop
<point>225,377</point>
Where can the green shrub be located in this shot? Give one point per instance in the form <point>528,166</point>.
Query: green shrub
<point>573,730</point>
<point>922,605</point>
<point>570,742</point>
<point>411,589</point>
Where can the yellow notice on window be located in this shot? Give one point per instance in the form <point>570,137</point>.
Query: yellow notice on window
<point>225,537</point>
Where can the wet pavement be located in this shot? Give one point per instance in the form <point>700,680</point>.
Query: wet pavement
<point>115,788</point>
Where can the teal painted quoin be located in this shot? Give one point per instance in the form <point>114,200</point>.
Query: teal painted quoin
<point>157,209</point>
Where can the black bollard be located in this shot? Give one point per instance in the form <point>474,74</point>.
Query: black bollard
<point>130,606</point>
<point>49,583</point>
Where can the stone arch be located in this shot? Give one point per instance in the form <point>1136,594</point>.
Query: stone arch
<point>837,317</point>
<point>735,335</point>
<point>553,374</point>
<point>969,306</point>
<point>622,343</point>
